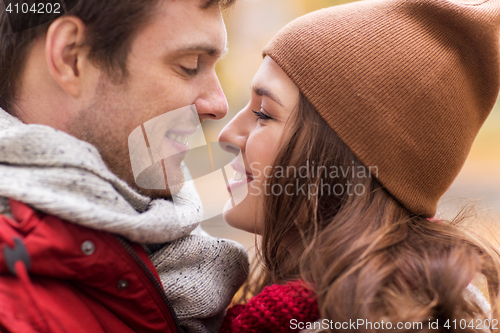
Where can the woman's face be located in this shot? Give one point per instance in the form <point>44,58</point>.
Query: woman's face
<point>257,130</point>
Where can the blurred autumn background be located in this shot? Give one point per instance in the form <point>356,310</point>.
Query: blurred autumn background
<point>251,24</point>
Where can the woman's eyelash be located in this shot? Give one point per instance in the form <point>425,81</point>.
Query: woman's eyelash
<point>261,115</point>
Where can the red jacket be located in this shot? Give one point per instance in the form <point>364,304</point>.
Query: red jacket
<point>78,279</point>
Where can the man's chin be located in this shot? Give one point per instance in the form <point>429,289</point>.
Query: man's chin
<point>172,188</point>
<point>159,194</point>
<point>153,185</point>
<point>157,181</point>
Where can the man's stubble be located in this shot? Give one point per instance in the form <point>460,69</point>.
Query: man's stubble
<point>107,122</point>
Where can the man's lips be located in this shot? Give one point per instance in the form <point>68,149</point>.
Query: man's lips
<point>179,137</point>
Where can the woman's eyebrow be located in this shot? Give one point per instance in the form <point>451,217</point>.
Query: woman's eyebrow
<point>261,91</point>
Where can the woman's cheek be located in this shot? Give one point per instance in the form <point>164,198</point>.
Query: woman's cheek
<point>261,149</point>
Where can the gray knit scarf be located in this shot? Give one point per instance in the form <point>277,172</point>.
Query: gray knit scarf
<point>65,177</point>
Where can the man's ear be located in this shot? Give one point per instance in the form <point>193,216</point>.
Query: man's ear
<point>64,54</point>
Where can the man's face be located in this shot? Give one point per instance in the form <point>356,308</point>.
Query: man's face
<point>171,65</point>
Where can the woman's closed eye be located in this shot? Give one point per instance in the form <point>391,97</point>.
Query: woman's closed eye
<point>261,115</point>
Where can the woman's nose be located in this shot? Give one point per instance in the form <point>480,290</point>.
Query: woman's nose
<point>233,136</point>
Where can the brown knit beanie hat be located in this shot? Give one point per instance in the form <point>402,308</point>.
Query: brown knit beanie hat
<point>406,84</point>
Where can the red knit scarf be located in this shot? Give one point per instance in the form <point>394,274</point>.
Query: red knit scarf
<point>273,309</point>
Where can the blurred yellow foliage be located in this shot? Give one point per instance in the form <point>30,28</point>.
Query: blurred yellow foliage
<point>308,6</point>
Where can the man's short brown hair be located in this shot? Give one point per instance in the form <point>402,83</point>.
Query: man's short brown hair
<point>111,26</point>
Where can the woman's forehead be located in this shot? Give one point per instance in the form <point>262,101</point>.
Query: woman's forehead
<point>271,81</point>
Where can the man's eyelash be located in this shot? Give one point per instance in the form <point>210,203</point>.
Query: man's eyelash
<point>261,115</point>
<point>190,71</point>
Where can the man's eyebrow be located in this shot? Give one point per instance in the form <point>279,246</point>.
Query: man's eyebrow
<point>261,91</point>
<point>205,48</point>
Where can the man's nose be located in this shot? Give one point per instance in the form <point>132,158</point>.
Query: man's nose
<point>213,103</point>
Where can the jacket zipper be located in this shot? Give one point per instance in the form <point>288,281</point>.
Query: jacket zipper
<point>152,278</point>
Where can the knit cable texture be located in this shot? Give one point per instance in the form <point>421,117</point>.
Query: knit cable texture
<point>273,309</point>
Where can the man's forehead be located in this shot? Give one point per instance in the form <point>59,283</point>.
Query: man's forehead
<point>181,9</point>
<point>182,27</point>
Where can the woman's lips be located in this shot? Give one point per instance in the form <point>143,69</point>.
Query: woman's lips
<point>241,177</point>
<point>233,184</point>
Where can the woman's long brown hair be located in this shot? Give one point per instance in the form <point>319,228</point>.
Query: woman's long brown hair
<point>364,254</point>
